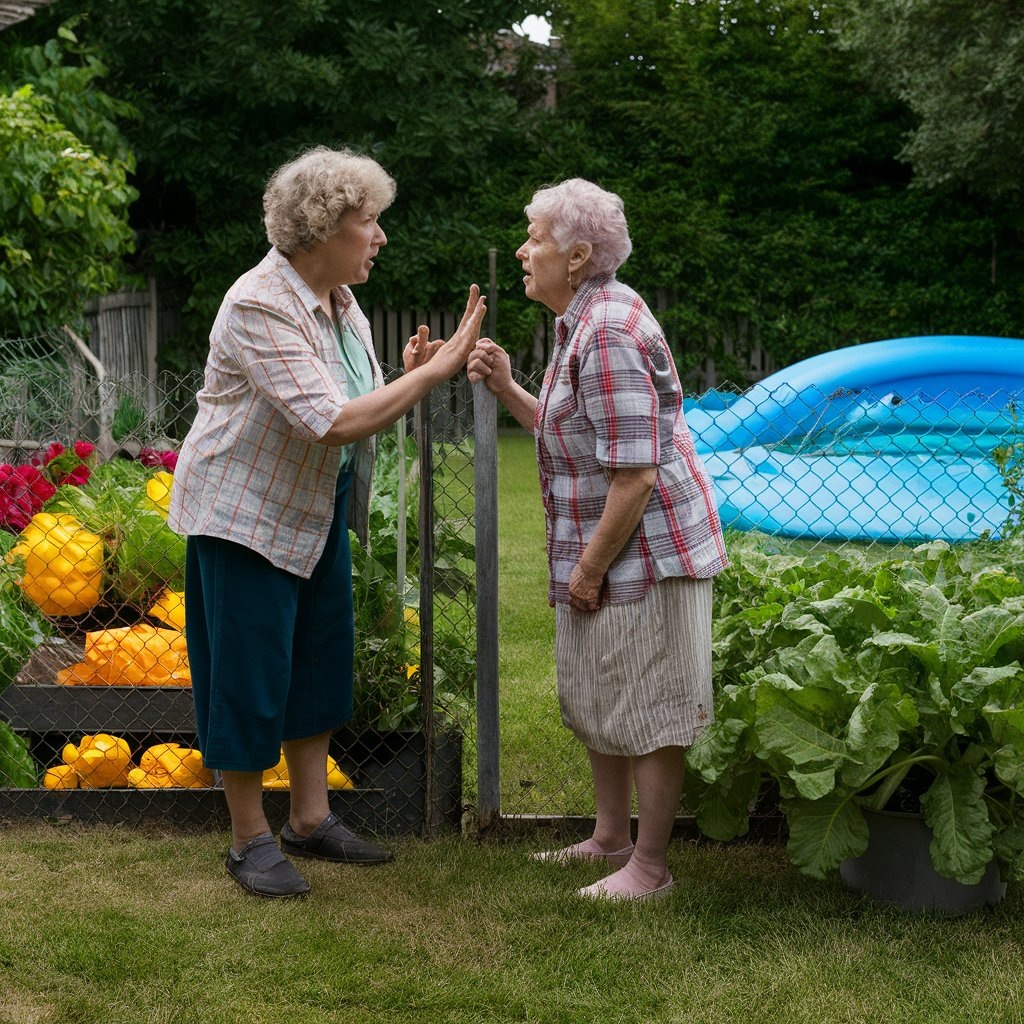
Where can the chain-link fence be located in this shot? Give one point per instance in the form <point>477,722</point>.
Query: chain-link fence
<point>804,477</point>
<point>96,714</point>
<point>97,721</point>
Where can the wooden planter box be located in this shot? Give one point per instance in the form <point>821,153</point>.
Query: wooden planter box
<point>399,789</point>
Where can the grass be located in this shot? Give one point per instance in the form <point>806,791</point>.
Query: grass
<point>105,925</point>
<point>543,769</point>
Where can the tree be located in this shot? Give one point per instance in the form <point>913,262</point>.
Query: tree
<point>229,89</point>
<point>760,173</point>
<point>64,196</point>
<point>960,68</point>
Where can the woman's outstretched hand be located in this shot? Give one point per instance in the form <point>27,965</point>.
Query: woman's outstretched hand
<point>448,357</point>
<point>420,349</point>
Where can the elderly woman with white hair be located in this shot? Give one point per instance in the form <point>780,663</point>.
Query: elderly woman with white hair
<point>633,534</point>
<point>276,466</point>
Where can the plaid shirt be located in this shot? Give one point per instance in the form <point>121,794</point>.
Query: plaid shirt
<point>252,469</point>
<point>611,399</point>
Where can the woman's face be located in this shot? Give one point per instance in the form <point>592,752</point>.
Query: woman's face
<point>353,245</point>
<point>546,268</point>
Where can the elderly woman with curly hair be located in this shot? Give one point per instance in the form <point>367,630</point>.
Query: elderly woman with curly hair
<point>633,535</point>
<point>276,466</point>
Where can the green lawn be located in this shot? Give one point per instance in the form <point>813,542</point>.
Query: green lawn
<point>108,926</point>
<point>543,769</point>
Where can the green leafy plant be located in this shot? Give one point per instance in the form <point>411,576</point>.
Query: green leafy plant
<point>1009,460</point>
<point>23,629</point>
<point>145,555</point>
<point>387,655</point>
<point>129,419</point>
<point>853,683</point>
<point>64,192</point>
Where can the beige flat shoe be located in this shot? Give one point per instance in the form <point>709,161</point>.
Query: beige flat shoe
<point>569,854</point>
<point>598,891</point>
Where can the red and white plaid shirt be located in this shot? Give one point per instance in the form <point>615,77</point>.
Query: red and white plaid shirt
<point>611,399</point>
<point>252,469</point>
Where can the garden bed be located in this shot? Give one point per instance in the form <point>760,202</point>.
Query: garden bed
<point>389,769</point>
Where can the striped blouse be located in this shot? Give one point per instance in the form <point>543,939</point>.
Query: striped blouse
<point>252,469</point>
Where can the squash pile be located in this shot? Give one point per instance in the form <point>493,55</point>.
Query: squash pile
<point>140,655</point>
<point>277,777</point>
<point>103,761</point>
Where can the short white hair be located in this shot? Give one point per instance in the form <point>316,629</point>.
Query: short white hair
<point>577,210</point>
<point>306,197</point>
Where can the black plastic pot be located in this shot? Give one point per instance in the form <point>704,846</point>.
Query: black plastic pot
<point>897,868</point>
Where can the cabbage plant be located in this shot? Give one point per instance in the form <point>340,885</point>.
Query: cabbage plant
<point>853,683</point>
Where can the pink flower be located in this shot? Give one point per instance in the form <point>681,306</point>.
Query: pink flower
<point>54,451</point>
<point>164,459</point>
<point>68,466</point>
<point>23,489</point>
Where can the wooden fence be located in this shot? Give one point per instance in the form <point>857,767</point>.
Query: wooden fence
<point>127,329</point>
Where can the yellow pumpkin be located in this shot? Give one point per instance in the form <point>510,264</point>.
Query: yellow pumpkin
<point>61,776</point>
<point>170,609</point>
<point>158,490</point>
<point>277,777</point>
<point>139,655</point>
<point>100,762</point>
<point>170,764</point>
<point>63,571</point>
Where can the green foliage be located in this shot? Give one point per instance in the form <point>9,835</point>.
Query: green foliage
<point>18,768</point>
<point>129,419</point>
<point>958,67</point>
<point>387,655</point>
<point>23,629</point>
<point>758,164</point>
<point>64,195</point>
<point>228,90</point>
<point>1009,460</point>
<point>846,681</point>
<point>21,624</point>
<point>144,554</point>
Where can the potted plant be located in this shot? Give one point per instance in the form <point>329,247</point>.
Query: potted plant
<point>861,686</point>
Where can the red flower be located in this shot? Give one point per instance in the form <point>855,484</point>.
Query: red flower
<point>68,466</point>
<point>23,489</point>
<point>78,476</point>
<point>165,460</point>
<point>54,451</point>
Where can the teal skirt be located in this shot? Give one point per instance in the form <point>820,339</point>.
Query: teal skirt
<point>270,653</point>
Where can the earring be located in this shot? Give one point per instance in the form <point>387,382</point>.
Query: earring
<point>571,284</point>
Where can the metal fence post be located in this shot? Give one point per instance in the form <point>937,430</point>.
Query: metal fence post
<point>485,483</point>
<point>425,443</point>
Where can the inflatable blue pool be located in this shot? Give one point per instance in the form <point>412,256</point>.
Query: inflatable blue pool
<point>890,440</point>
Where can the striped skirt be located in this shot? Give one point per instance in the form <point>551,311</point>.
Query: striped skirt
<point>635,677</point>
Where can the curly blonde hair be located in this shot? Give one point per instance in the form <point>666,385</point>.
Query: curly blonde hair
<point>577,210</point>
<point>306,197</point>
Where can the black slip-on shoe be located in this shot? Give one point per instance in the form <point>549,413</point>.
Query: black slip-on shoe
<point>262,869</point>
<point>330,840</point>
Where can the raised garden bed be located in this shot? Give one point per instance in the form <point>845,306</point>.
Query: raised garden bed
<point>391,770</point>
